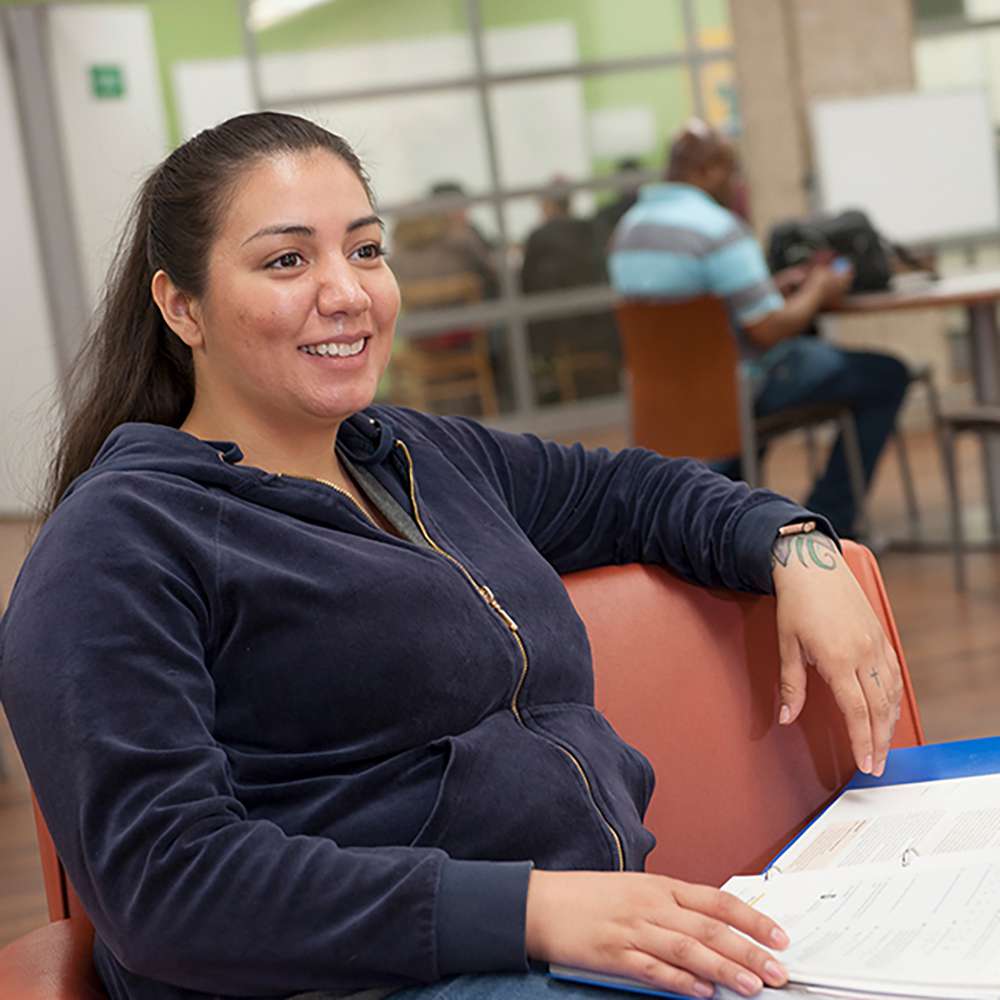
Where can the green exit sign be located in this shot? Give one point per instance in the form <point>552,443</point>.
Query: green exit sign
<point>107,82</point>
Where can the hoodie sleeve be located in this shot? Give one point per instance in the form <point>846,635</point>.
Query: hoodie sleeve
<point>105,675</point>
<point>583,508</point>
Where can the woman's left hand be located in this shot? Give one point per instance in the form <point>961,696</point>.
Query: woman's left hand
<point>825,621</point>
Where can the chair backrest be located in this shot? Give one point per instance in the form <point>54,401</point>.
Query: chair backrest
<point>690,676</point>
<point>437,293</point>
<point>683,366</point>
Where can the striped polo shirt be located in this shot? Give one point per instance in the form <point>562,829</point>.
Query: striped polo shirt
<point>678,242</point>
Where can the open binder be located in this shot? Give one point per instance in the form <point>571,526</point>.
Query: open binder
<point>894,890</point>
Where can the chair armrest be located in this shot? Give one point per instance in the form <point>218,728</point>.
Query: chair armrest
<point>51,963</point>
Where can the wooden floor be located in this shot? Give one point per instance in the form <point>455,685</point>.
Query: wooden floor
<point>952,642</point>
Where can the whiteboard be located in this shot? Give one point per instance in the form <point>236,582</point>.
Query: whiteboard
<point>923,166</point>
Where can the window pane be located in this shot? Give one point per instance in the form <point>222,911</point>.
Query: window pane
<point>982,10</point>
<point>960,61</point>
<point>400,141</point>
<point>444,257</point>
<point>465,370</point>
<point>575,357</point>
<point>932,10</point>
<point>718,94</point>
<point>577,128</point>
<point>533,34</point>
<point>349,44</point>
<point>712,19</point>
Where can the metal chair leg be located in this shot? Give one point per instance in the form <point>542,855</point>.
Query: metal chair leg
<point>855,469</point>
<point>812,453</point>
<point>906,474</point>
<point>947,439</point>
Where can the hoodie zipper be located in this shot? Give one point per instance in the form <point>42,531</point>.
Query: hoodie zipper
<point>339,489</point>
<point>489,598</point>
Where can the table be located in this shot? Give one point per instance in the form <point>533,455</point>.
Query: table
<point>978,294</point>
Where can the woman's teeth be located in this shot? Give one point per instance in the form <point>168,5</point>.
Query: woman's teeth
<point>335,350</point>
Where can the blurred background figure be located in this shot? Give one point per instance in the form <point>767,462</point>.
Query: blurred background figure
<point>682,239</point>
<point>562,253</point>
<point>608,215</point>
<point>438,245</point>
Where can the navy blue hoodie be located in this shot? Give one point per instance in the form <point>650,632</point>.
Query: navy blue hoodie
<point>281,749</point>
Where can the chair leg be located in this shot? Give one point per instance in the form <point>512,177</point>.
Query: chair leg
<point>812,453</point>
<point>855,469</point>
<point>947,440</point>
<point>906,474</point>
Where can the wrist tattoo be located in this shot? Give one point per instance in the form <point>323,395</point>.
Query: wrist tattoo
<point>812,549</point>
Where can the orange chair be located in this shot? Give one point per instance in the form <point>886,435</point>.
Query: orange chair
<point>691,395</point>
<point>688,675</point>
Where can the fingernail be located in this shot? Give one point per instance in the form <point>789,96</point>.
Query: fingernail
<point>704,989</point>
<point>784,715</point>
<point>779,938</point>
<point>775,973</point>
<point>749,984</point>
<point>867,764</point>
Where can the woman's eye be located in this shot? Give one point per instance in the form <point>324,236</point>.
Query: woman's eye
<point>286,260</point>
<point>370,251</point>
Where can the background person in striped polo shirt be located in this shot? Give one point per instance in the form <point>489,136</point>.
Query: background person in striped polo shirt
<point>681,239</point>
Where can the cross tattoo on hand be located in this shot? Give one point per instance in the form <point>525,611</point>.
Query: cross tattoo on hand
<point>874,676</point>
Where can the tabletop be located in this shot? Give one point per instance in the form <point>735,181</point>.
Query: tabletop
<point>954,290</point>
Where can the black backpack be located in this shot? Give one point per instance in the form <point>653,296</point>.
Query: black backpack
<point>849,234</point>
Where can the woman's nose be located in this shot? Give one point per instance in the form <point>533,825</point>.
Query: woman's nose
<point>341,290</point>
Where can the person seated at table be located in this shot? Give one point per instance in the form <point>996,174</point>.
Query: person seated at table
<point>303,699</point>
<point>681,240</point>
<point>560,253</point>
<point>441,244</point>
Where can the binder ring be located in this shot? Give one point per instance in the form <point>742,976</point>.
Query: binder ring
<point>909,856</point>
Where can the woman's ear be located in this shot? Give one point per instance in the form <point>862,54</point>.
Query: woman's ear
<point>179,310</point>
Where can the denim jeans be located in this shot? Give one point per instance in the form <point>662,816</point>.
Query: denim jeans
<point>508,986</point>
<point>533,985</point>
<point>806,370</point>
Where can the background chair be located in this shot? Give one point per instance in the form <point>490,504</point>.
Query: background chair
<point>688,675</point>
<point>690,394</point>
<point>978,419</point>
<point>427,371</point>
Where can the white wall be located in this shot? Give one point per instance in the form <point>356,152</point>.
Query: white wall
<point>110,144</point>
<point>27,353</point>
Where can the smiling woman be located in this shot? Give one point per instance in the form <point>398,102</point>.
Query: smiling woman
<point>303,700</point>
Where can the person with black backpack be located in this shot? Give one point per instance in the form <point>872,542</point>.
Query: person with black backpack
<point>682,240</point>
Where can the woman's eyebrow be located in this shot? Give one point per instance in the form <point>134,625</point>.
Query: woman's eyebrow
<point>297,229</point>
<point>281,230</point>
<point>365,220</point>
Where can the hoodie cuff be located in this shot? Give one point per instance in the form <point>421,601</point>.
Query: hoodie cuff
<point>756,532</point>
<point>481,916</point>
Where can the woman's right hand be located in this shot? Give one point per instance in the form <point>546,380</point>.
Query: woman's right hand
<point>673,935</point>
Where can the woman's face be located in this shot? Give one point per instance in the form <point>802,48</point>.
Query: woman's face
<point>300,308</point>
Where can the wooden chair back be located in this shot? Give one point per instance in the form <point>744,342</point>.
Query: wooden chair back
<point>682,363</point>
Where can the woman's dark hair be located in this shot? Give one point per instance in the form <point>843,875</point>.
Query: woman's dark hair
<point>131,366</point>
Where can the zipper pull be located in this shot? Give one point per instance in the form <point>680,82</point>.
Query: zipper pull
<point>490,598</point>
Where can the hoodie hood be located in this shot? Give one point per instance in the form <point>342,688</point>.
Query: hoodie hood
<point>365,438</point>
